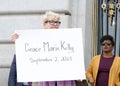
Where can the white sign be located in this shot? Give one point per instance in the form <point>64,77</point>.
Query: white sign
<point>50,55</point>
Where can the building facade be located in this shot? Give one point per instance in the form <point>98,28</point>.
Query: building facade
<point>27,14</point>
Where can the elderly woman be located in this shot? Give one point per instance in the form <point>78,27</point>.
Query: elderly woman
<point>51,20</point>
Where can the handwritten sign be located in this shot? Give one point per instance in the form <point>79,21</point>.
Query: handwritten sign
<point>50,55</point>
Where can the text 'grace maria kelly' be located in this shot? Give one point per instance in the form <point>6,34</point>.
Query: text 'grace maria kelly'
<point>47,47</point>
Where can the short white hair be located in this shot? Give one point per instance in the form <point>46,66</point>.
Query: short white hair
<point>51,16</point>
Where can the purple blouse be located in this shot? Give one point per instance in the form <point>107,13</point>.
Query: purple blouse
<point>58,83</point>
<point>103,71</point>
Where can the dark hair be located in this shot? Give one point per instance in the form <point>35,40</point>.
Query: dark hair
<point>107,37</point>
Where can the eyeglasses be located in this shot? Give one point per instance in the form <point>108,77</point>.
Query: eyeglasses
<point>108,44</point>
<point>53,22</point>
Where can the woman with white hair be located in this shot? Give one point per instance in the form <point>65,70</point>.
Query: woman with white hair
<point>51,20</point>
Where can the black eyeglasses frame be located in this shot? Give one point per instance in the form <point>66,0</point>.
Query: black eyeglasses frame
<point>53,22</point>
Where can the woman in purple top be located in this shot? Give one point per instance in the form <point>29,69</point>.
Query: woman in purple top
<point>104,69</point>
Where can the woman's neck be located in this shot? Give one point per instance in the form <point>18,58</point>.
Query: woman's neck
<point>107,55</point>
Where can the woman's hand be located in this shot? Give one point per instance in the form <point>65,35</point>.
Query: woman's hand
<point>14,37</point>
<point>91,81</point>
